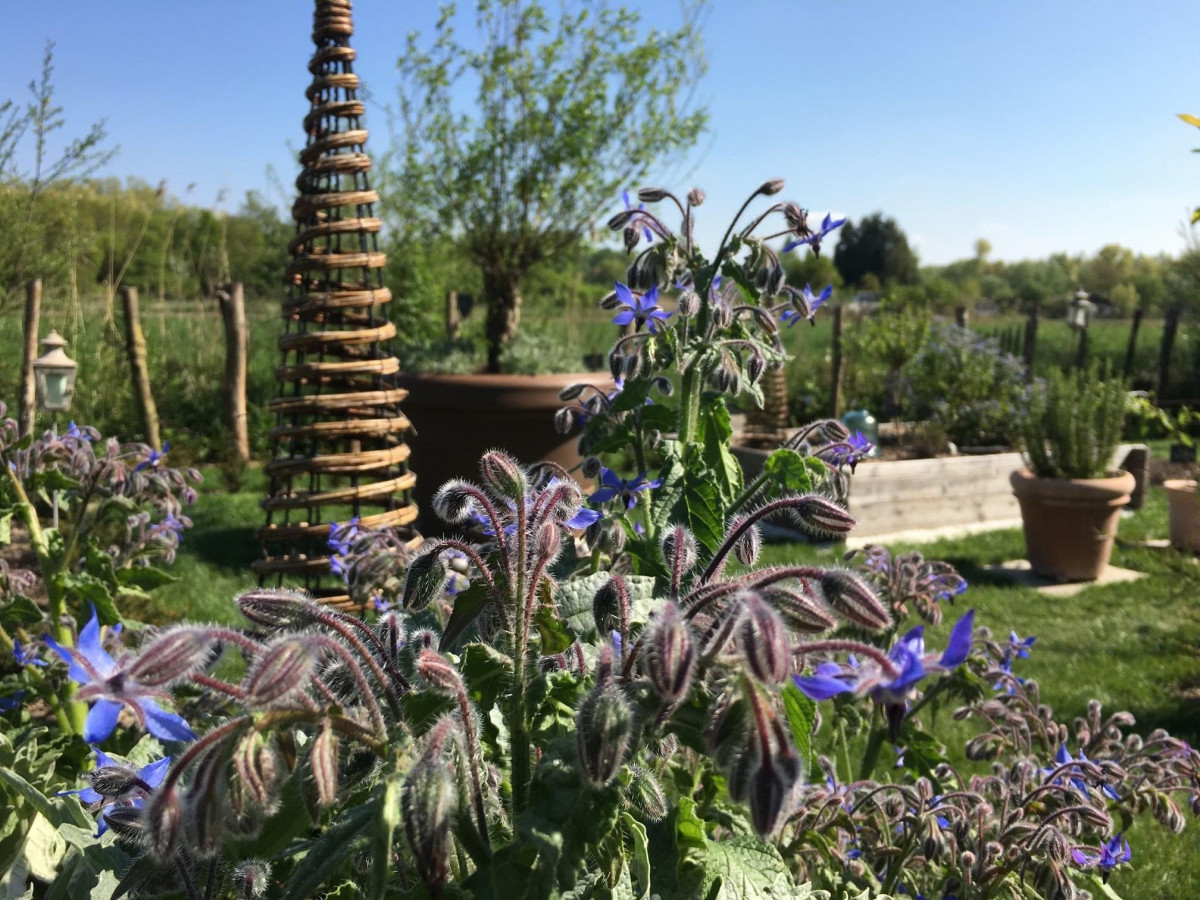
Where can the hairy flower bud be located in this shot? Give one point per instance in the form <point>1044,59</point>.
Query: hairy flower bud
<point>275,607</point>
<point>755,366</point>
<point>651,194</point>
<point>571,391</point>
<point>764,640</point>
<point>722,315</point>
<point>630,238</point>
<point>126,823</point>
<point>171,656</point>
<point>610,605</point>
<point>620,220</point>
<point>453,503</point>
<point>610,301</point>
<point>427,803</point>
<point>116,782</point>
<point>251,879</point>
<point>616,364</point>
<point>800,612</point>
<point>748,544</point>
<point>283,668</point>
<point>424,580</point>
<point>564,420</point>
<point>603,727</point>
<point>695,197</point>
<point>688,304</point>
<point>822,518</point>
<point>504,475</point>
<point>323,759</point>
<point>439,673</point>
<point>670,655</point>
<point>726,736</point>
<point>390,631</point>
<point>163,818</point>
<point>205,804</point>
<point>853,599</point>
<point>645,794</point>
<point>678,549</point>
<point>773,186</point>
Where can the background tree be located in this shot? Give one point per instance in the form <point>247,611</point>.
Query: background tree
<point>569,108</point>
<point>875,246</point>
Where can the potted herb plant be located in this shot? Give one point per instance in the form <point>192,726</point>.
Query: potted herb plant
<point>1070,498</point>
<point>516,184</point>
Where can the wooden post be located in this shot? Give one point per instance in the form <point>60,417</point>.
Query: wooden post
<point>1082,352</point>
<point>961,316</point>
<point>1031,326</point>
<point>1164,351</point>
<point>452,321</point>
<point>233,314</point>
<point>835,390</point>
<point>1133,336</point>
<point>135,346</point>
<point>33,315</point>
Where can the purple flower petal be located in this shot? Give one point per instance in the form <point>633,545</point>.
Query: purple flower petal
<point>166,726</point>
<point>959,645</point>
<point>101,720</point>
<point>820,687</point>
<point>624,317</point>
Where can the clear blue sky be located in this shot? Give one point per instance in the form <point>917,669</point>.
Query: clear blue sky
<point>1042,126</point>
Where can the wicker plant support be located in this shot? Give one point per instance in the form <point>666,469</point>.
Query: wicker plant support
<point>338,443</point>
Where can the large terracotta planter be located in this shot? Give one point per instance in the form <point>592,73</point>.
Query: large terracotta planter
<point>1183,512</point>
<point>459,417</point>
<point>1070,524</point>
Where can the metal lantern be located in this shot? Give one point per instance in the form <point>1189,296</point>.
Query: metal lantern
<point>1080,310</point>
<point>54,374</point>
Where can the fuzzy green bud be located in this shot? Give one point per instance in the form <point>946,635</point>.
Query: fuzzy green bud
<point>603,727</point>
<point>427,804</point>
<point>424,580</point>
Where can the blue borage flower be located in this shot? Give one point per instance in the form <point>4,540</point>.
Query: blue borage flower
<point>813,239</point>
<point>27,656</point>
<point>581,518</point>
<point>804,306</point>
<point>109,688</point>
<point>640,309</point>
<point>646,232</point>
<point>1062,757</point>
<point>613,486</point>
<point>845,453</point>
<point>907,661</point>
<point>154,460</point>
<point>340,542</point>
<point>1106,857</point>
<point>141,783</point>
<point>12,701</point>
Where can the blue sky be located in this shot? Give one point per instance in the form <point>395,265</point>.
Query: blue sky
<point>1042,126</point>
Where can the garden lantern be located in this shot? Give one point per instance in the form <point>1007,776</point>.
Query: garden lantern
<point>862,422</point>
<point>54,374</point>
<point>1080,310</point>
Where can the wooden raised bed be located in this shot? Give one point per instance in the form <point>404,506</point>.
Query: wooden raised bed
<point>925,494</point>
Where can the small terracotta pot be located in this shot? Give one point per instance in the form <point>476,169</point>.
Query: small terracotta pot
<point>458,418</point>
<point>1183,511</point>
<point>1070,524</point>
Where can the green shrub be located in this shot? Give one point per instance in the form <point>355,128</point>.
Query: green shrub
<point>1074,424</point>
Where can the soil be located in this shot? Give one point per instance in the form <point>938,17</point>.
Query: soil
<point>1163,469</point>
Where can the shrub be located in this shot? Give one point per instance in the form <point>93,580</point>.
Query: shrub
<point>1074,424</point>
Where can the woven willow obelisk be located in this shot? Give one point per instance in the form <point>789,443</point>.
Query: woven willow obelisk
<point>338,443</point>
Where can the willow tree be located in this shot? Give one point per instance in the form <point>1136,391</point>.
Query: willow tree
<point>516,142</point>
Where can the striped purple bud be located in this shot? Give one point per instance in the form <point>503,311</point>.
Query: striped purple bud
<point>564,420</point>
<point>284,668</point>
<point>772,781</point>
<point>853,599</point>
<point>439,673</point>
<point>679,549</point>
<point>822,518</point>
<point>610,300</point>
<point>773,186</point>
<point>424,580</point>
<point>453,503</point>
<point>275,607</point>
<point>748,544</point>
<point>800,612</point>
<point>688,304</point>
<point>323,759</point>
<point>695,197</point>
<point>258,767</point>
<point>163,818</point>
<point>549,542</point>
<point>651,194</point>
<point>251,878</point>
<point>427,803</point>
<point>116,782</point>
<point>205,804</point>
<point>763,640</point>
<point>755,366</point>
<point>127,824</point>
<point>572,391</point>
<point>670,654</point>
<point>173,655</point>
<point>390,631</point>
<point>603,727</point>
<point>610,606</point>
<point>726,736</point>
<point>503,475</point>
<point>620,220</point>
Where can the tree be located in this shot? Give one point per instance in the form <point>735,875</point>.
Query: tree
<point>876,246</point>
<point>570,108</point>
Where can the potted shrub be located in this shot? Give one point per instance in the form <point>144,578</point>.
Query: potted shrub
<point>516,184</point>
<point>1070,499</point>
<point>1183,509</point>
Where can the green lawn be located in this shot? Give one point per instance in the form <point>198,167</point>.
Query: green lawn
<point>1134,645</point>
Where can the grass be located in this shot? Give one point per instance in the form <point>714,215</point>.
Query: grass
<point>1133,645</point>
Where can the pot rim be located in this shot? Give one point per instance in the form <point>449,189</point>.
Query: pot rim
<point>1181,485</point>
<point>1107,489</point>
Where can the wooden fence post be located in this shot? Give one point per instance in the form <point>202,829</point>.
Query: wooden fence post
<point>135,346</point>
<point>453,324</point>
<point>835,390</point>
<point>233,313</point>
<point>1132,346</point>
<point>33,315</point>
<point>1164,351</point>
<point>961,316</point>
<point>1031,327</point>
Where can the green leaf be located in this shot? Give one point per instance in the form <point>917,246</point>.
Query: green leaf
<point>742,867</point>
<point>700,505</point>
<point>716,431</point>
<point>487,672</point>
<point>639,853</point>
<point>468,605</point>
<point>20,611</point>
<point>145,577</point>
<point>339,842</point>
<point>574,601</point>
<point>801,715</point>
<point>922,752</point>
<point>792,472</point>
<point>6,527</point>
<point>85,588</point>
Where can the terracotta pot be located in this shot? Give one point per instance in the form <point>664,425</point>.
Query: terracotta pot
<point>1183,512</point>
<point>1070,524</point>
<point>459,417</point>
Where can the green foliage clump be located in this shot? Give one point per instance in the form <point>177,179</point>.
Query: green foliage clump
<point>1074,424</point>
<point>967,387</point>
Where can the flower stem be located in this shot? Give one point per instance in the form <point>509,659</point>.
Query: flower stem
<point>518,725</point>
